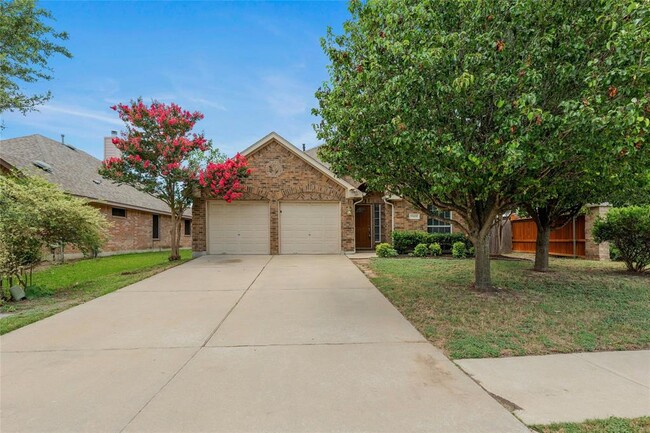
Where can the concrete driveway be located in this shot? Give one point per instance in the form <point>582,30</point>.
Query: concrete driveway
<point>239,344</point>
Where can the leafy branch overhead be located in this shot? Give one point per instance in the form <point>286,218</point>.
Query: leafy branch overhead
<point>26,45</point>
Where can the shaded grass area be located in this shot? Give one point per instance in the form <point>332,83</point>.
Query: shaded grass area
<point>579,306</point>
<point>59,287</point>
<point>610,425</point>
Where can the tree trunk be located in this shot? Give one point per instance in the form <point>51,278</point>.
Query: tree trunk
<point>174,238</point>
<point>542,246</point>
<point>482,276</point>
<point>501,224</point>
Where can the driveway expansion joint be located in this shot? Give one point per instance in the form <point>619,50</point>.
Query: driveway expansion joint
<point>104,349</point>
<point>344,343</point>
<point>584,358</point>
<point>198,349</point>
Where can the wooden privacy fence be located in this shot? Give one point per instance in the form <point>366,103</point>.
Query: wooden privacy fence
<point>566,241</point>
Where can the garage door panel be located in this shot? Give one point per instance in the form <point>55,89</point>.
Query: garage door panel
<point>310,228</point>
<point>238,228</point>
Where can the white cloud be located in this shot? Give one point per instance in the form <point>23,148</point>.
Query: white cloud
<point>208,103</point>
<point>80,112</point>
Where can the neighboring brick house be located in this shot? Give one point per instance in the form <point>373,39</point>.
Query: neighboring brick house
<point>294,204</point>
<point>139,222</point>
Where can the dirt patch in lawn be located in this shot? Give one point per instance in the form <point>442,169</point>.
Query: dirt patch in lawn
<point>364,266</point>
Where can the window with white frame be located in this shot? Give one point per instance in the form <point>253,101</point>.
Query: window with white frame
<point>438,226</point>
<point>376,220</point>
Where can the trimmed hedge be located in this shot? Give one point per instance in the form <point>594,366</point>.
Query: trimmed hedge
<point>404,241</point>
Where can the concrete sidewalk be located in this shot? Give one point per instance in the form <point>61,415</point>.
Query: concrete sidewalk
<point>239,344</point>
<point>568,388</point>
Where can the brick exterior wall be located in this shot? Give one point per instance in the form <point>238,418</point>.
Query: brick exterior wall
<point>402,221</point>
<point>199,232</point>
<point>280,175</point>
<point>593,250</point>
<point>401,210</point>
<point>134,233</point>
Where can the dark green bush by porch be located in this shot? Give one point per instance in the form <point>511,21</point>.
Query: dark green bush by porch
<point>404,241</point>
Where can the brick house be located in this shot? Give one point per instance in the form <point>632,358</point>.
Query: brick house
<point>293,204</point>
<point>139,222</point>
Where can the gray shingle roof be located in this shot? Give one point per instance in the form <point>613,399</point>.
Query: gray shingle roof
<point>75,171</point>
<point>313,152</point>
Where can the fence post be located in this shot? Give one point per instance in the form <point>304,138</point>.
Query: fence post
<point>575,241</point>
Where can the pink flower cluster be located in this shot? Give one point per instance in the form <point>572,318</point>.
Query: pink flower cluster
<point>174,124</point>
<point>172,115</point>
<point>224,179</point>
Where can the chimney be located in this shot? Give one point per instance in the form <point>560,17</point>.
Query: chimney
<point>110,151</point>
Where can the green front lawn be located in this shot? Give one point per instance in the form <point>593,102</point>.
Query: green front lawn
<point>611,425</point>
<point>59,287</point>
<point>579,306</point>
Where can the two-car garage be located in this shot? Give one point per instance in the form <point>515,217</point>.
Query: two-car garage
<point>244,227</point>
<point>290,203</point>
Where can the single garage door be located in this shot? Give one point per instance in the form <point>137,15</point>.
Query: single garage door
<point>238,228</point>
<point>310,228</point>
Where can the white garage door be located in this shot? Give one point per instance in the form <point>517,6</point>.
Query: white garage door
<point>310,228</point>
<point>238,227</point>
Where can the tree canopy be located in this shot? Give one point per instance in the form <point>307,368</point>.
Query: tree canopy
<point>26,44</point>
<point>471,105</point>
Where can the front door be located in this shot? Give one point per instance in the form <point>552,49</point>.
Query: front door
<point>362,225</point>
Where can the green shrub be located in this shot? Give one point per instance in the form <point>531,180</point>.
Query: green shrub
<point>435,249</point>
<point>459,250</point>
<point>385,250</point>
<point>628,229</point>
<point>405,241</point>
<point>421,250</point>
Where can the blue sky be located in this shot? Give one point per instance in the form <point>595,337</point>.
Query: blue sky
<point>250,67</point>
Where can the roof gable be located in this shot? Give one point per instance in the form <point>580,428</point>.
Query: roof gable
<point>351,190</point>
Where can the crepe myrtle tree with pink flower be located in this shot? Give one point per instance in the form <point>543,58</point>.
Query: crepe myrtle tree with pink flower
<point>161,156</point>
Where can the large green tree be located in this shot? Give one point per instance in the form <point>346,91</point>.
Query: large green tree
<point>26,44</point>
<point>465,104</point>
<point>602,155</point>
